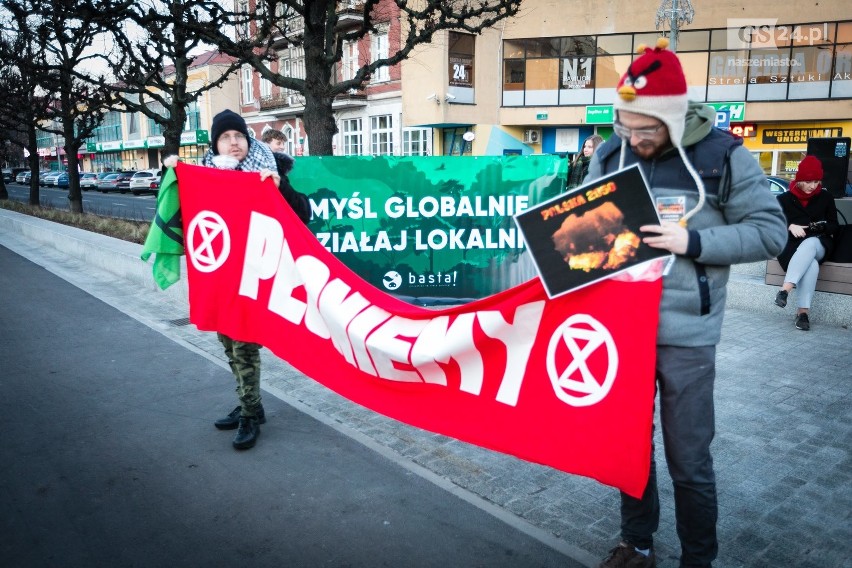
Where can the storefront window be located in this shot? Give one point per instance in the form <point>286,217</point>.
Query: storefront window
<point>693,41</point>
<point>727,76</point>
<point>788,163</point>
<point>513,82</point>
<point>615,44</point>
<point>576,84</point>
<point>695,70</point>
<point>609,71</point>
<point>542,82</point>
<point>841,80</point>
<point>768,73</point>
<point>810,71</point>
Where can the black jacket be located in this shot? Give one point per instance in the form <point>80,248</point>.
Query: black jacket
<point>820,208</point>
<point>298,201</point>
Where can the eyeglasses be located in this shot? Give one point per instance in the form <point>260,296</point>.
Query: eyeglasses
<point>238,137</point>
<point>640,133</point>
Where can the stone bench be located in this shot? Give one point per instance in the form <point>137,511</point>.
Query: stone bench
<point>835,277</point>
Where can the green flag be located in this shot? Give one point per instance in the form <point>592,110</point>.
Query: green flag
<point>165,238</point>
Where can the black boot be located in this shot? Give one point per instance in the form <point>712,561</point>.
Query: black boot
<point>247,433</point>
<point>232,420</point>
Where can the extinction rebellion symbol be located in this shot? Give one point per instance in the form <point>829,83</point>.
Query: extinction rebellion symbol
<point>208,242</point>
<point>572,348</point>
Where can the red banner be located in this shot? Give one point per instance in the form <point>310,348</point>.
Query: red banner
<point>567,382</point>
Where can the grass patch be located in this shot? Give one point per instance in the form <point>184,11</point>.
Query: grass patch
<point>124,229</point>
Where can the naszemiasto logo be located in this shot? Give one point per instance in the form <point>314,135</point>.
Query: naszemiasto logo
<point>392,280</point>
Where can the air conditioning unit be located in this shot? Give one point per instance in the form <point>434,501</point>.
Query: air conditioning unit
<point>532,136</point>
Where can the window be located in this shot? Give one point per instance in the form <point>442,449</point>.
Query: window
<point>242,26</point>
<point>265,88</point>
<point>193,117</point>
<point>352,137</point>
<point>461,53</point>
<point>416,142</point>
<point>379,50</point>
<point>349,63</point>
<point>381,135</point>
<point>247,90</point>
<point>133,125</point>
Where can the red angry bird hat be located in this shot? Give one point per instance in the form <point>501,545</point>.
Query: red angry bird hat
<point>655,85</point>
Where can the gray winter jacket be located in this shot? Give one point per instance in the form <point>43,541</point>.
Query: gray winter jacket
<point>741,221</point>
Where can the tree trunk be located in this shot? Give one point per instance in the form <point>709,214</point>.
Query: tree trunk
<point>320,125</point>
<point>75,196</point>
<point>32,147</point>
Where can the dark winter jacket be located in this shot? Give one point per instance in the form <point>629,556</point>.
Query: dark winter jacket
<point>739,222</point>
<point>578,172</point>
<point>821,207</point>
<point>297,201</point>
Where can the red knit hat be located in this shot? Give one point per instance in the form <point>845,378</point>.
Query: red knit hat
<point>810,169</point>
<point>654,85</point>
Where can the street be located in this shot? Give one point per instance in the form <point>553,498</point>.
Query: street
<point>120,205</point>
<point>110,458</point>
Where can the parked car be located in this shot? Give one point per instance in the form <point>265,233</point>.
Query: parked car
<point>62,180</point>
<point>116,181</point>
<point>7,175</point>
<point>51,178</point>
<point>145,181</point>
<point>42,175</point>
<point>108,183</point>
<point>778,185</point>
<point>15,172</point>
<point>124,181</point>
<point>24,177</point>
<point>88,180</point>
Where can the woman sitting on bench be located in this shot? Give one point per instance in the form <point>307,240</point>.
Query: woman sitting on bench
<point>811,223</point>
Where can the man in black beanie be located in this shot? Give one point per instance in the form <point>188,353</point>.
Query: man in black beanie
<point>232,148</point>
<point>224,121</point>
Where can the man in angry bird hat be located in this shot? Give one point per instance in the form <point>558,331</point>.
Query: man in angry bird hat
<point>725,215</point>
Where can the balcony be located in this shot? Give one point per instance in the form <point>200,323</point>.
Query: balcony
<point>350,13</point>
<point>282,101</point>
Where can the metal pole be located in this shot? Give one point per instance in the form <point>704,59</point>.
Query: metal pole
<point>673,25</point>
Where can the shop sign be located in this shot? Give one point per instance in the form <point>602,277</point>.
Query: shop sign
<point>737,110</point>
<point>194,137</point>
<point>133,144</point>
<point>93,147</point>
<point>599,114</point>
<point>744,130</point>
<point>798,135</point>
<point>156,141</point>
<point>111,146</point>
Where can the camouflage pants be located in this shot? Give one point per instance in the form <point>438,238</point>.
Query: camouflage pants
<point>244,359</point>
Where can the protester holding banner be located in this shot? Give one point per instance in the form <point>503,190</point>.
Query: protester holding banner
<point>233,149</point>
<point>580,164</point>
<point>297,201</point>
<point>812,221</point>
<point>719,213</point>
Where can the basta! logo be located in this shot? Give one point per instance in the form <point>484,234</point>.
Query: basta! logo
<point>392,280</point>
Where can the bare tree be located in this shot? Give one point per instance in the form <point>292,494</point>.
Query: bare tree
<point>23,107</point>
<point>158,47</point>
<point>270,26</point>
<point>65,31</point>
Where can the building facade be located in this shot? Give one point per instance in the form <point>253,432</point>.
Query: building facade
<point>545,80</point>
<point>132,141</point>
<point>369,122</point>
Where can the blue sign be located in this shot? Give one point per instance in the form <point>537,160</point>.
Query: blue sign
<point>723,119</point>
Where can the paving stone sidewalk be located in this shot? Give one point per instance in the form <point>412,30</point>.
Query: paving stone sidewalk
<point>782,449</point>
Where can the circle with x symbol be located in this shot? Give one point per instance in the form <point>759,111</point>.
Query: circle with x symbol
<point>208,241</point>
<point>580,340</point>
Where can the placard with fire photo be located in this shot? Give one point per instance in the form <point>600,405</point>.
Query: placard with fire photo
<point>591,232</point>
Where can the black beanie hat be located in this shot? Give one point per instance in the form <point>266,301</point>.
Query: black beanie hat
<point>224,121</point>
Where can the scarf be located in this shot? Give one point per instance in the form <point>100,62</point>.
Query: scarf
<point>804,198</point>
<point>259,157</point>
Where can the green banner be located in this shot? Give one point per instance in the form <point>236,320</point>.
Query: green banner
<point>437,227</point>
